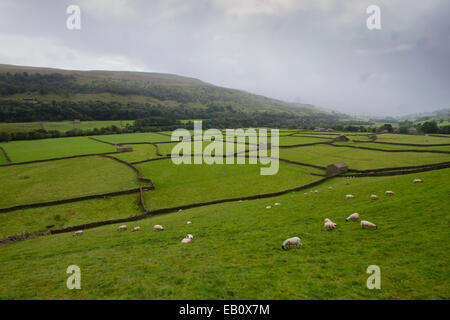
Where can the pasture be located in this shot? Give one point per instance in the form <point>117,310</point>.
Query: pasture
<point>236,250</point>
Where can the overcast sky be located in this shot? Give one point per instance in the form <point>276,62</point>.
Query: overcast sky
<point>310,51</point>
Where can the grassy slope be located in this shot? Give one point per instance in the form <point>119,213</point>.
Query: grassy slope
<point>63,179</point>
<point>357,158</point>
<point>62,126</point>
<point>236,250</point>
<point>198,93</point>
<point>21,151</point>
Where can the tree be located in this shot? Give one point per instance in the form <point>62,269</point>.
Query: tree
<point>403,129</point>
<point>387,127</point>
<point>429,127</point>
<point>5,137</point>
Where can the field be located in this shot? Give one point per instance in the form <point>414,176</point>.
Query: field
<point>62,126</point>
<point>236,250</point>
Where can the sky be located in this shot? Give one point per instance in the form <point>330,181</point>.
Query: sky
<point>317,52</point>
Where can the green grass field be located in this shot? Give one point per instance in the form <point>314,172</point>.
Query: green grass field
<point>21,151</point>
<point>62,126</point>
<point>236,250</point>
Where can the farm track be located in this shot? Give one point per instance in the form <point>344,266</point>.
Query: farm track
<point>146,212</point>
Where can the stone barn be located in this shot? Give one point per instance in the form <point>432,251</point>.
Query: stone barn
<point>337,168</point>
<point>340,138</point>
<point>124,148</point>
<point>77,121</point>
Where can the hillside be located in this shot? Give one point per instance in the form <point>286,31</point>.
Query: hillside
<point>47,85</point>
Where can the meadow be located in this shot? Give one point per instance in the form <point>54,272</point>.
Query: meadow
<point>62,126</point>
<point>236,250</point>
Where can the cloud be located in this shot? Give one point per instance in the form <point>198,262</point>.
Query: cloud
<point>49,54</point>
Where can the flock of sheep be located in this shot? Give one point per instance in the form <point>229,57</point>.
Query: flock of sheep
<point>330,225</point>
<point>296,241</point>
<point>156,227</point>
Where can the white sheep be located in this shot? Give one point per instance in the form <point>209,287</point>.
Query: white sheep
<point>269,207</point>
<point>329,224</point>
<point>353,217</point>
<point>417,180</point>
<point>190,236</point>
<point>180,210</point>
<point>157,227</point>
<point>315,191</point>
<point>349,196</point>
<point>374,197</point>
<point>78,233</point>
<point>136,229</point>
<point>389,193</point>
<point>123,227</point>
<point>277,204</point>
<point>189,222</point>
<point>292,241</point>
<point>330,188</point>
<point>367,224</point>
<point>186,240</point>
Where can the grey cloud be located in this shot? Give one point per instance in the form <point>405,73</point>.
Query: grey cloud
<point>320,51</point>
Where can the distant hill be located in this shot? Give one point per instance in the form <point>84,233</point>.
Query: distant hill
<point>46,85</point>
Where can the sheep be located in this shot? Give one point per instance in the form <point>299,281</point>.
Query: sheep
<point>157,227</point>
<point>292,241</point>
<point>189,222</point>
<point>352,217</point>
<point>136,229</point>
<point>277,204</point>
<point>389,193</point>
<point>368,224</point>
<point>349,196</point>
<point>78,233</point>
<point>330,188</point>
<point>123,227</point>
<point>187,239</point>
<point>329,224</point>
<point>180,210</point>
<point>269,207</point>
<point>417,180</point>
<point>374,197</point>
<point>315,191</point>
<point>190,236</point>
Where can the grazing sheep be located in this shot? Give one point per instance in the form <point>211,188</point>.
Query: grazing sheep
<point>349,196</point>
<point>157,227</point>
<point>417,180</point>
<point>136,229</point>
<point>374,197</point>
<point>292,241</point>
<point>189,222</point>
<point>180,210</point>
<point>190,236</point>
<point>315,191</point>
<point>329,224</point>
<point>277,204</point>
<point>123,227</point>
<point>367,224</point>
<point>78,233</point>
<point>269,207</point>
<point>330,188</point>
<point>389,193</point>
<point>186,240</point>
<point>353,217</point>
